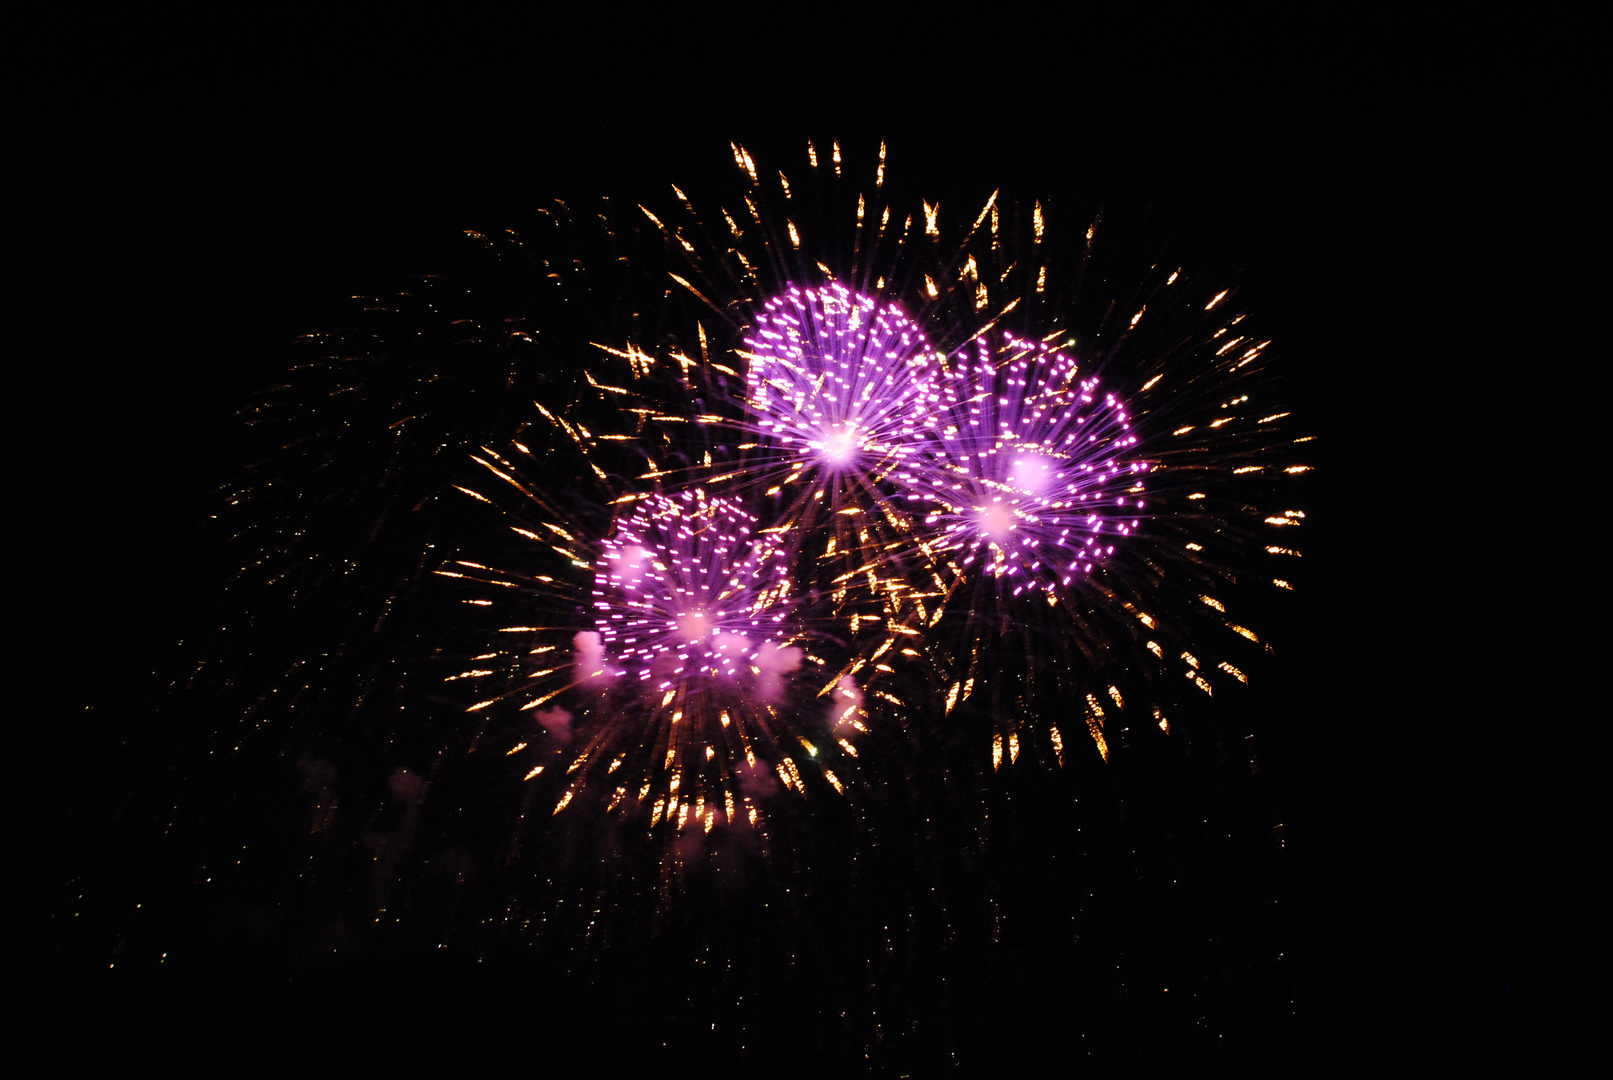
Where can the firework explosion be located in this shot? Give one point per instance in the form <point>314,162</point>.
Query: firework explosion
<point>842,385</point>
<point>680,683</point>
<point>673,604</point>
<point>918,521</point>
<point>717,604</point>
<point>1028,474</point>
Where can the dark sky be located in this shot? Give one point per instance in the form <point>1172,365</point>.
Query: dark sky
<point>1404,206</point>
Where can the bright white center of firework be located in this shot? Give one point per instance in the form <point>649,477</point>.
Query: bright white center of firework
<point>996,520</point>
<point>693,627</point>
<point>1032,473</point>
<point>839,447</point>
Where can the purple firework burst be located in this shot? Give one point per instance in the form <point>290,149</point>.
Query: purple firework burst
<point>688,666</point>
<point>840,382</point>
<point>688,587</point>
<point>1028,475</point>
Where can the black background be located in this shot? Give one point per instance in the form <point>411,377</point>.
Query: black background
<point>1404,204</point>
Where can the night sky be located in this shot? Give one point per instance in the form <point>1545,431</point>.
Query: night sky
<point>1404,208</point>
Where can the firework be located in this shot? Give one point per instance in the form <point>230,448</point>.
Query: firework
<point>776,564</point>
<point>1029,476</point>
<point>867,481</point>
<point>673,688</point>
<point>688,587</point>
<point>692,608</point>
<point>1086,530</point>
<point>953,454</point>
<point>898,468</point>
<point>842,385</point>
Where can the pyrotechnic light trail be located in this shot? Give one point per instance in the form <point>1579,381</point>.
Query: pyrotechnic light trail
<point>869,473</point>
<point>1015,494</point>
<point>754,591</point>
